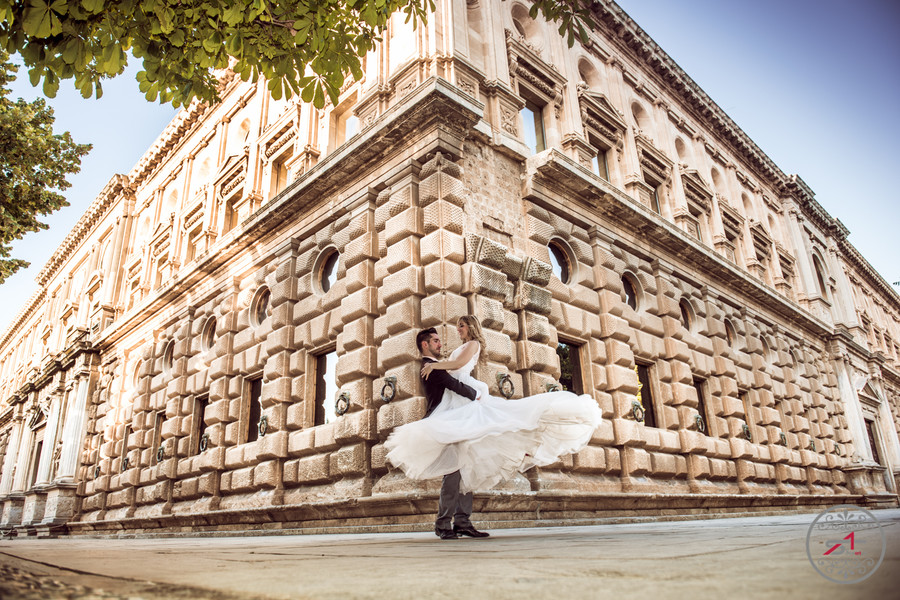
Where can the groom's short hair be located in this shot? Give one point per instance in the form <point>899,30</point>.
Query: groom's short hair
<point>424,336</point>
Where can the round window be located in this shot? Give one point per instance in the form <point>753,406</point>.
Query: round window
<point>559,261</point>
<point>208,337</point>
<point>260,306</point>
<point>628,286</point>
<point>168,357</point>
<point>328,270</point>
<point>730,335</point>
<point>686,317</point>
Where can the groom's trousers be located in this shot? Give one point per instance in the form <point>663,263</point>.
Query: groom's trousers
<point>454,507</point>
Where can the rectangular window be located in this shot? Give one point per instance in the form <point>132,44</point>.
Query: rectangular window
<point>655,205</point>
<point>870,432</point>
<point>699,384</point>
<point>645,394</point>
<point>533,126</point>
<point>326,388</point>
<point>253,390</point>
<point>570,367</point>
<point>599,164</point>
<point>157,437</point>
<point>230,217</point>
<point>199,424</point>
<point>697,233</point>
<point>35,462</point>
<point>279,175</point>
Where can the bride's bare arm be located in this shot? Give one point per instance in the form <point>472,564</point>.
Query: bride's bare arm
<point>468,351</point>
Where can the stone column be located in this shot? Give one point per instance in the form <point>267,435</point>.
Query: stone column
<point>73,432</point>
<point>43,475</point>
<point>12,454</point>
<point>12,501</point>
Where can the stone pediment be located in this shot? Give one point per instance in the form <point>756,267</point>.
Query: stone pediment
<point>600,115</point>
<point>762,242</point>
<point>525,63</point>
<point>696,190</point>
<point>231,175</point>
<point>652,159</point>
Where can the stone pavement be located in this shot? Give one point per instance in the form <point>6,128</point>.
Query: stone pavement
<point>750,557</point>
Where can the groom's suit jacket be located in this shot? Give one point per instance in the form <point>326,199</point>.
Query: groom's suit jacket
<point>437,382</point>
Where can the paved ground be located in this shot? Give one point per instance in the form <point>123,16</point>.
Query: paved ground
<point>756,557</point>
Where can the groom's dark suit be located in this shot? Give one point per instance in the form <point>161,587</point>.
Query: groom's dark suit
<point>453,507</point>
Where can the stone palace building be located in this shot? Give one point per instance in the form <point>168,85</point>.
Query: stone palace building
<point>225,339</point>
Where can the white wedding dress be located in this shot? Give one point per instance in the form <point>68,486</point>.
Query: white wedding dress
<point>491,439</point>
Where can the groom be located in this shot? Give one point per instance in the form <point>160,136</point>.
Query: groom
<point>453,506</point>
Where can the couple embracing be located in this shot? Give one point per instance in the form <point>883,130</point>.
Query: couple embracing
<point>475,440</point>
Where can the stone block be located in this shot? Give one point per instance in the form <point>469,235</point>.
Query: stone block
<point>591,459</point>
<point>349,460</point>
<point>531,298</point>
<point>398,413</point>
<point>409,281</point>
<point>403,225</point>
<point>273,445</point>
<point>241,480</point>
<point>537,357</point>
<point>442,244</point>
<point>301,443</point>
<point>402,255</point>
<point>360,304</point>
<point>356,334</point>
<point>443,214</point>
<point>360,249</point>
<point>362,362</point>
<point>479,279</point>
<point>267,475</point>
<point>356,426</point>
<point>398,350</point>
<point>313,469</point>
<point>614,328</point>
<point>324,439</point>
<point>663,465</point>
<point>623,379</point>
<point>638,461</point>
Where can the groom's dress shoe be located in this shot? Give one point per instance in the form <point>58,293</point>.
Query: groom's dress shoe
<point>445,534</point>
<point>470,531</point>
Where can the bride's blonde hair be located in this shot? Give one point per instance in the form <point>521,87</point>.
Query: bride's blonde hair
<point>476,334</point>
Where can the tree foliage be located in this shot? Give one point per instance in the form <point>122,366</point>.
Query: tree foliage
<point>304,47</point>
<point>34,164</point>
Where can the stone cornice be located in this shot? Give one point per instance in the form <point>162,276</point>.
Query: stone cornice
<point>175,133</point>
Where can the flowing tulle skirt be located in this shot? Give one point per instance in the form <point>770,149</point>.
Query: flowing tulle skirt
<point>490,440</point>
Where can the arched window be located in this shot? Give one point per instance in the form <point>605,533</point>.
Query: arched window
<point>820,276</point>
<point>641,118</point>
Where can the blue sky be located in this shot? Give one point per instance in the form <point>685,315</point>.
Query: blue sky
<point>815,83</point>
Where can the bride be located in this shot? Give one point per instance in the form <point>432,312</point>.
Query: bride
<point>491,439</point>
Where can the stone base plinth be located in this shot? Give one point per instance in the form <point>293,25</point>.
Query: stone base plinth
<point>416,511</point>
